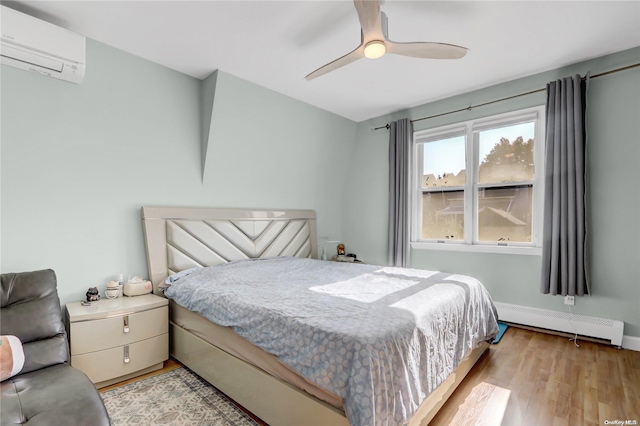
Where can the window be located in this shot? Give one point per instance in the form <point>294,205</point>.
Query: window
<point>479,184</point>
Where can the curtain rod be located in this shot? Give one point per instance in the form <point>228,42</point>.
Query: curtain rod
<point>470,107</point>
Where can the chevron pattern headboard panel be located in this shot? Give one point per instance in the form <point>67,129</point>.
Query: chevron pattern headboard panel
<point>179,238</point>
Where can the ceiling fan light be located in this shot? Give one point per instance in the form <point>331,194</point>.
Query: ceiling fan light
<point>375,49</point>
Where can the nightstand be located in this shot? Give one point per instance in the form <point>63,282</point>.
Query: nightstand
<point>114,340</point>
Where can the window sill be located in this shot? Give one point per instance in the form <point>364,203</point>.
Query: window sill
<point>531,251</point>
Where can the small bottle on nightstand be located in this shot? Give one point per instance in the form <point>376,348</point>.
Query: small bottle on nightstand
<point>120,279</point>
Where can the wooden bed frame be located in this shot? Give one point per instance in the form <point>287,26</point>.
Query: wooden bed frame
<point>178,238</point>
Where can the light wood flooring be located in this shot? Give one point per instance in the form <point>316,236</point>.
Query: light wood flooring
<point>533,378</point>
<point>538,379</point>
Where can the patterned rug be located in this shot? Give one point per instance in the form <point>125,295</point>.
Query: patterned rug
<point>177,397</point>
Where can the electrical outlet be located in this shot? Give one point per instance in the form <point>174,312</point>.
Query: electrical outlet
<point>569,300</point>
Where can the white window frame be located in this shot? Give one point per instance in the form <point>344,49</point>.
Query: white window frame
<point>471,130</point>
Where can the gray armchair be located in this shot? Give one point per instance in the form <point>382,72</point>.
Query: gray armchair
<point>47,391</point>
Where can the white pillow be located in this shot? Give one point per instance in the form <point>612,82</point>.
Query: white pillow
<point>11,356</point>
<point>175,277</point>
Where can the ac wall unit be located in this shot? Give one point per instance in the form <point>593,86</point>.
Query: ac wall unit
<point>34,45</point>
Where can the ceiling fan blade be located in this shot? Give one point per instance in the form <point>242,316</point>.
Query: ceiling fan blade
<point>352,56</point>
<point>369,15</point>
<point>426,50</point>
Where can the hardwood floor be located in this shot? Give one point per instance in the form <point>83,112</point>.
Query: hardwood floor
<point>537,379</point>
<point>533,378</point>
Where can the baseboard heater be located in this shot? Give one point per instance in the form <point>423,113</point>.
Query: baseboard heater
<point>583,325</point>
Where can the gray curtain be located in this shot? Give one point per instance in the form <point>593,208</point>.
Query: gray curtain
<point>399,164</point>
<point>564,244</point>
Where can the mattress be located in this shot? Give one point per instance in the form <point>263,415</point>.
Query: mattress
<point>382,338</point>
<point>227,340</point>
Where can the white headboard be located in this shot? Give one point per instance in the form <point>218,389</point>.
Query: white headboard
<point>179,238</point>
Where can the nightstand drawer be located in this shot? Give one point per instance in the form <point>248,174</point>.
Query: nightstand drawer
<point>107,364</point>
<point>97,335</point>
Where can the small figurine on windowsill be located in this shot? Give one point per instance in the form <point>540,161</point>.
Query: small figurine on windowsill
<point>93,295</point>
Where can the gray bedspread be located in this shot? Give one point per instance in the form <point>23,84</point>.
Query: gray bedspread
<point>382,338</point>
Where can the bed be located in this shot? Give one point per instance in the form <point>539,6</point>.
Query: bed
<point>226,344</point>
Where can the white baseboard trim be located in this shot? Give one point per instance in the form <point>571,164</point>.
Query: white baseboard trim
<point>631,342</point>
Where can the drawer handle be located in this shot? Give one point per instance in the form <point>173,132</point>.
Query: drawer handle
<point>126,354</point>
<point>126,323</point>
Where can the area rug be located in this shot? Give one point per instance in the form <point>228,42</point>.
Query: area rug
<point>178,397</point>
<point>503,327</point>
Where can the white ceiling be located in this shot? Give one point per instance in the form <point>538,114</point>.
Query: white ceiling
<point>276,43</point>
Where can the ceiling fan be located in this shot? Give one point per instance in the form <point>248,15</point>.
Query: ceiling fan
<point>375,42</point>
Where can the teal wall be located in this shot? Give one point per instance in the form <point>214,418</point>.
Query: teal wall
<point>613,159</point>
<point>78,161</point>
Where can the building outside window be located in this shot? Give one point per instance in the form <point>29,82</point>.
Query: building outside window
<point>479,183</point>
